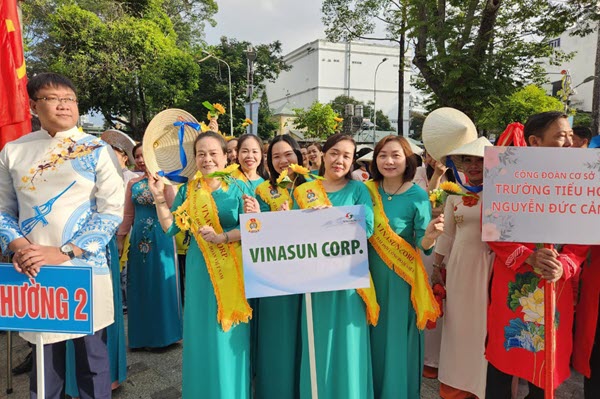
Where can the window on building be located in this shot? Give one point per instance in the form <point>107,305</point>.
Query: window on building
<point>554,43</point>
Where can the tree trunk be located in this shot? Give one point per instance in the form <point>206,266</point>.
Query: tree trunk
<point>596,94</point>
<point>401,83</point>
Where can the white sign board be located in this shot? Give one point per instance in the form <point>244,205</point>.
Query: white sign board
<point>295,252</point>
<point>541,195</point>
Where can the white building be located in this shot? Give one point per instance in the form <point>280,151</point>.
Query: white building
<point>323,70</point>
<point>580,67</point>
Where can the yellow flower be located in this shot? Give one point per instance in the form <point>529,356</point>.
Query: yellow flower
<point>231,168</point>
<point>204,127</point>
<point>209,116</point>
<point>433,198</point>
<point>450,187</point>
<point>219,108</point>
<point>246,122</point>
<point>301,170</point>
<point>533,306</point>
<point>24,179</point>
<point>282,176</point>
<point>338,119</point>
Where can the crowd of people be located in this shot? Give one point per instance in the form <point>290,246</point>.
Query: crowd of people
<point>377,342</point>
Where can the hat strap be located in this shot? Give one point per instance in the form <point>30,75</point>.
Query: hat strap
<point>174,175</point>
<point>473,189</point>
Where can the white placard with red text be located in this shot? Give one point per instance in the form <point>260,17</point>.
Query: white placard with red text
<point>541,195</point>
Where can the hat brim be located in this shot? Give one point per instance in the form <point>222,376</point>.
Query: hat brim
<point>116,138</point>
<point>161,145</point>
<point>475,148</point>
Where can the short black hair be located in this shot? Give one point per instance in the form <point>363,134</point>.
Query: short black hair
<point>47,79</point>
<point>260,170</point>
<point>214,135</point>
<point>537,124</point>
<point>333,140</point>
<point>583,132</point>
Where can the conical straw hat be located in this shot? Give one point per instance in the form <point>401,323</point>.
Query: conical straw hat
<point>475,148</point>
<point>446,129</point>
<point>161,145</point>
<point>116,138</point>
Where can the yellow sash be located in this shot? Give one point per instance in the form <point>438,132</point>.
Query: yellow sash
<point>275,197</point>
<point>238,174</point>
<point>311,194</point>
<point>223,261</point>
<point>404,260</point>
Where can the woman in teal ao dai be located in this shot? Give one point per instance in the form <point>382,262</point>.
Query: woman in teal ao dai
<point>154,301</point>
<point>396,342</point>
<point>216,364</point>
<point>277,319</point>
<point>341,332</point>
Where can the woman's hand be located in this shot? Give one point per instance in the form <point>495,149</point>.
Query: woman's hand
<point>439,168</point>
<point>435,212</point>
<point>156,186</point>
<point>209,235</point>
<point>436,276</point>
<point>120,244</point>
<point>547,264</point>
<point>251,204</point>
<point>435,228</point>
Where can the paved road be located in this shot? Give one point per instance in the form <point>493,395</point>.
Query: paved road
<point>157,375</point>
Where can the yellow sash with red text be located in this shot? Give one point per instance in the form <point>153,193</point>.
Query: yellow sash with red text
<point>311,194</point>
<point>223,261</point>
<point>275,197</point>
<point>404,260</point>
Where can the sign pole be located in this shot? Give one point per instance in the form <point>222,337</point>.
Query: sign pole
<point>9,387</point>
<point>549,337</point>
<point>39,359</point>
<point>311,346</point>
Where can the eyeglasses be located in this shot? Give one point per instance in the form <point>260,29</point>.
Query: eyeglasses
<point>52,100</point>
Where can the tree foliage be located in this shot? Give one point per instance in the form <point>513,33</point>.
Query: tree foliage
<point>130,60</point>
<point>339,103</point>
<point>319,120</point>
<point>518,107</point>
<point>469,53</point>
<point>214,79</point>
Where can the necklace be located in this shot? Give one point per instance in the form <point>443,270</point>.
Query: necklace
<point>389,196</point>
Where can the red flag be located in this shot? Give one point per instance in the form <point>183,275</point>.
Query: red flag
<point>512,135</point>
<point>15,118</point>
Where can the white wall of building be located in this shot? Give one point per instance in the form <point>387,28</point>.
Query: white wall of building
<point>322,70</point>
<point>580,67</point>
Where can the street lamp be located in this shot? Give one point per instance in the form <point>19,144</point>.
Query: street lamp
<point>251,56</point>
<point>209,55</point>
<point>375,99</point>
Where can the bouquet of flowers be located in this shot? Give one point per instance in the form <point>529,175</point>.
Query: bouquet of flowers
<point>214,110</point>
<point>438,196</point>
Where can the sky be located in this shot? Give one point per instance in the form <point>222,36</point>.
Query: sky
<point>292,22</point>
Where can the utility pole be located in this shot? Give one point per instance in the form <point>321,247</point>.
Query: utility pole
<point>596,90</point>
<point>401,77</point>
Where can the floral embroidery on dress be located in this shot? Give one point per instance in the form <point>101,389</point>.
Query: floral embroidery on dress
<point>470,200</point>
<point>527,330</point>
<point>66,150</point>
<point>144,197</point>
<point>145,244</point>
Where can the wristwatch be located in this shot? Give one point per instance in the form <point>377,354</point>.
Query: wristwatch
<point>67,249</point>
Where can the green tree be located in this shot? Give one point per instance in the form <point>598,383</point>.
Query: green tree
<point>319,120</point>
<point>339,103</point>
<point>215,83</point>
<point>124,58</point>
<point>266,125</point>
<point>469,53</point>
<point>518,107</point>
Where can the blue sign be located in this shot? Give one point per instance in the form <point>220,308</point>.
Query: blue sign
<point>58,300</point>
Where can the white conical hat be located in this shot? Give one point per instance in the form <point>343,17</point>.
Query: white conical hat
<point>446,129</point>
<point>161,143</point>
<point>475,148</point>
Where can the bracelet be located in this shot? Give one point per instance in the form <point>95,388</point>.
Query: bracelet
<point>164,201</point>
<point>437,266</point>
<point>226,237</point>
